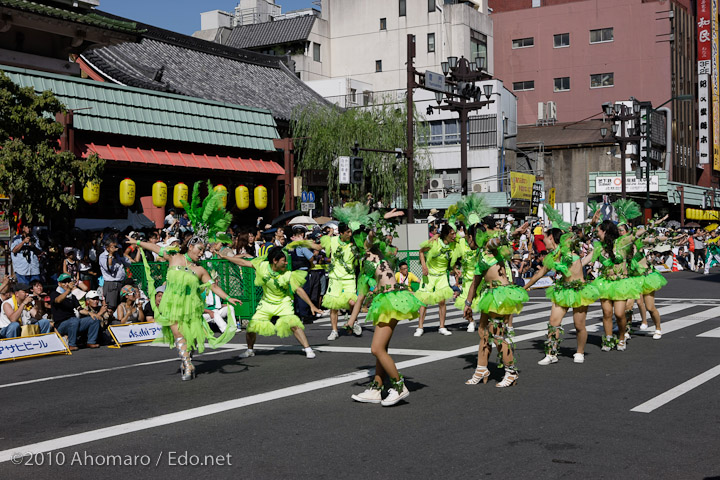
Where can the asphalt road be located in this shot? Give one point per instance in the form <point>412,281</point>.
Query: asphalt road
<point>124,413</point>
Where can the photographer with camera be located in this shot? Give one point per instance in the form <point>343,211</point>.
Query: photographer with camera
<point>25,249</point>
<point>64,308</point>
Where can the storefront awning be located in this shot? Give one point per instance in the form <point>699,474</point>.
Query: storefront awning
<point>179,159</point>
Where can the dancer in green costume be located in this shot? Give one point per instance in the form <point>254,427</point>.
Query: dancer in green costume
<point>435,255</point>
<point>181,308</point>
<point>497,300</point>
<point>570,289</point>
<point>278,285</point>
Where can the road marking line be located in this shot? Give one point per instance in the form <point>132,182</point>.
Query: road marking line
<point>676,392</point>
<point>102,370</point>
<point>690,320</point>
<point>714,333</point>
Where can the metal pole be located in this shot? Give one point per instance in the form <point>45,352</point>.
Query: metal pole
<point>409,150</point>
<point>464,187</point>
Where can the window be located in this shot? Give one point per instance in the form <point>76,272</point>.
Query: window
<point>526,85</point>
<point>442,132</point>
<point>378,65</point>
<point>401,7</point>
<point>431,5</point>
<point>316,52</point>
<point>436,132</point>
<point>561,40</point>
<point>601,35</point>
<point>431,42</point>
<point>353,95</point>
<point>562,84</point>
<point>478,46</point>
<point>600,80</point>
<point>383,24</point>
<point>523,42</point>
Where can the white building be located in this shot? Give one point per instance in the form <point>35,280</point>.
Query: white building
<point>352,51</point>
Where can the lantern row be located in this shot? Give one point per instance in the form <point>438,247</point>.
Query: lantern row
<point>91,194</point>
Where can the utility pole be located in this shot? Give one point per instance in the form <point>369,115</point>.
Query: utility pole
<point>409,154</point>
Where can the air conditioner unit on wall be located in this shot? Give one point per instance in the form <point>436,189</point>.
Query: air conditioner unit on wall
<point>541,111</point>
<point>480,188</point>
<point>436,183</point>
<point>437,194</point>
<point>551,111</point>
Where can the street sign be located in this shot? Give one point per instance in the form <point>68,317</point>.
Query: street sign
<point>344,170</point>
<point>552,197</point>
<point>307,206</point>
<point>537,191</point>
<point>434,81</point>
<point>303,197</point>
<point>311,197</point>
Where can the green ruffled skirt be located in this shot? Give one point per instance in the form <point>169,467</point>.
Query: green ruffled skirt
<point>434,289</point>
<point>563,295</point>
<point>395,304</point>
<point>616,290</point>
<point>652,282</point>
<point>503,300</point>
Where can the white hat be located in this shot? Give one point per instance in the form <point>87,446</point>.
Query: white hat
<point>92,294</point>
<point>510,218</point>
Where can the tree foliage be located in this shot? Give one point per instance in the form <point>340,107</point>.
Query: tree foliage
<point>33,173</point>
<point>323,133</point>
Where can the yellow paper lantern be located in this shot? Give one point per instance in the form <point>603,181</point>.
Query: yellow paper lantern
<point>242,197</point>
<point>91,192</point>
<point>127,192</point>
<point>159,194</point>
<point>260,196</point>
<point>180,192</point>
<point>222,188</point>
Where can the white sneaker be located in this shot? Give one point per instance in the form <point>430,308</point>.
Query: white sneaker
<point>643,326</point>
<point>394,397</point>
<point>371,395</point>
<point>657,335</point>
<point>471,327</point>
<point>357,329</point>
<point>333,335</point>
<point>548,360</point>
<point>444,331</point>
<point>627,336</point>
<point>247,353</point>
<point>309,352</point>
<point>579,358</point>
<point>621,346</point>
<point>418,332</point>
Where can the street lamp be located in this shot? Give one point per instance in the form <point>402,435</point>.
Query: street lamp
<point>463,96</point>
<point>623,133</point>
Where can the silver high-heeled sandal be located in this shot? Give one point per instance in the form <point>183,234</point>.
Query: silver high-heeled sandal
<point>509,380</point>
<point>482,374</point>
<point>187,369</point>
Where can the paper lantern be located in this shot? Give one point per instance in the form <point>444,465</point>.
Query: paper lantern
<point>242,197</point>
<point>180,192</point>
<point>159,194</point>
<point>91,192</point>
<point>127,192</point>
<point>260,196</point>
<point>222,188</point>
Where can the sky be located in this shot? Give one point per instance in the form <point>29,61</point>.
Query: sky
<point>180,15</point>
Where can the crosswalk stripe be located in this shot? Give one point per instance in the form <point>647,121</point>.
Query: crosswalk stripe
<point>714,333</point>
<point>690,320</point>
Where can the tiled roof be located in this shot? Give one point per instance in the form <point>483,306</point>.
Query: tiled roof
<point>172,62</point>
<point>105,107</point>
<point>74,15</point>
<point>271,33</point>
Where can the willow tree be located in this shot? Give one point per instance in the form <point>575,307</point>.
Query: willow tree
<point>324,133</point>
<point>37,178</point>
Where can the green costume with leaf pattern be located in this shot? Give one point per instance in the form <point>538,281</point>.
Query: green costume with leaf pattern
<point>564,293</point>
<point>435,287</point>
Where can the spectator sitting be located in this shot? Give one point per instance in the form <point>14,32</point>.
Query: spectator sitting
<point>25,249</point>
<point>16,313</point>
<point>64,305</point>
<point>215,312</point>
<point>683,258</point>
<point>404,276</point>
<point>41,302</point>
<point>96,309</point>
<point>129,310</point>
<point>148,308</point>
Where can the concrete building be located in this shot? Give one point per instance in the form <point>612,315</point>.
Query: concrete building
<point>565,58</point>
<point>352,53</point>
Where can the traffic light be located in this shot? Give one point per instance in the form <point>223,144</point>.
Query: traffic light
<point>356,170</point>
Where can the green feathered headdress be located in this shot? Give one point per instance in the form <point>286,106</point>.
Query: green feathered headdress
<point>208,217</point>
<point>556,219</point>
<point>626,210</point>
<point>474,208</point>
<point>593,208</point>
<point>354,215</point>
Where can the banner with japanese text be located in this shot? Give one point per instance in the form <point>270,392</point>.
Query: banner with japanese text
<point>715,85</point>
<point>32,346</point>
<point>704,49</point>
<point>129,333</point>
<point>521,186</point>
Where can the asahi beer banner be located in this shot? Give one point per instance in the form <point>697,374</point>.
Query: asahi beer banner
<point>135,332</point>
<point>32,346</point>
<point>632,184</point>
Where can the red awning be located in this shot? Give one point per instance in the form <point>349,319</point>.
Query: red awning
<point>178,159</point>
